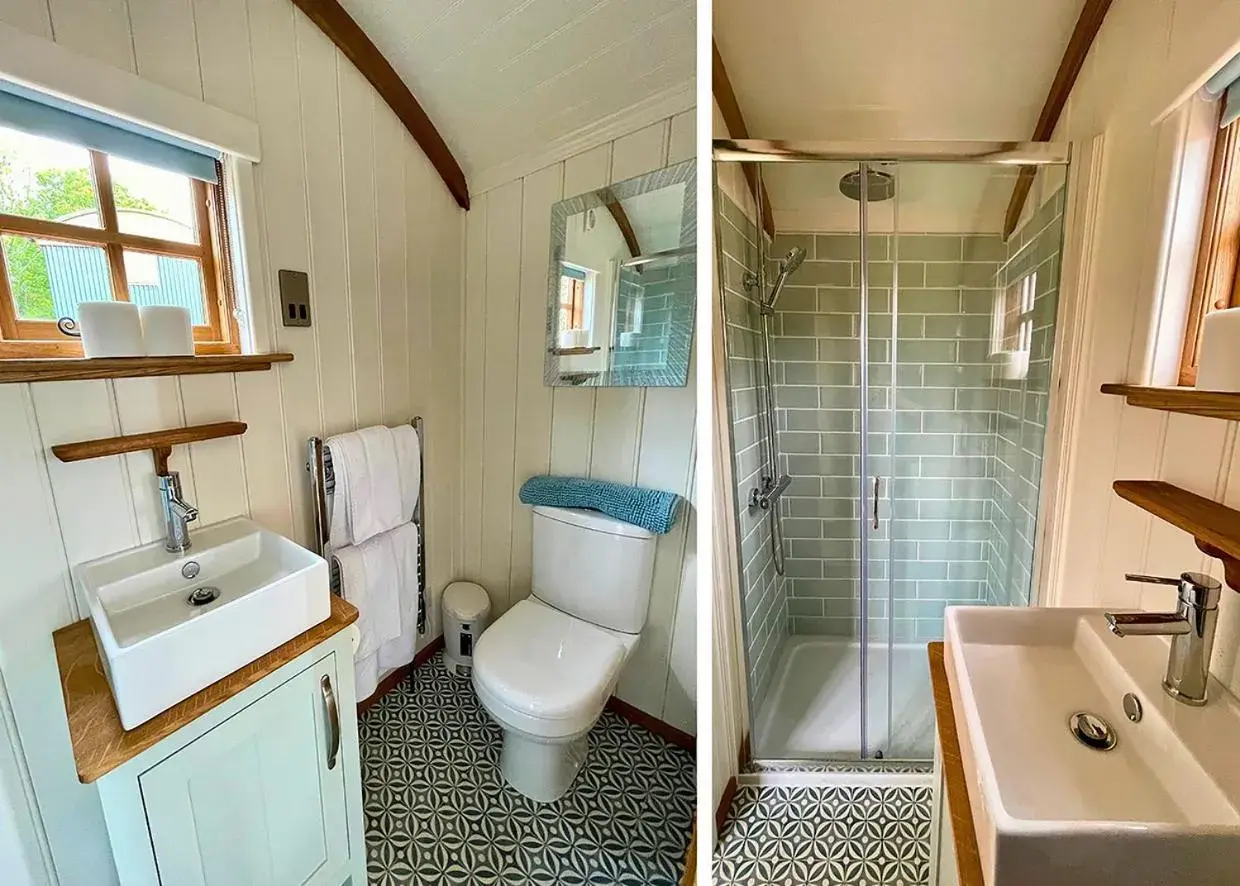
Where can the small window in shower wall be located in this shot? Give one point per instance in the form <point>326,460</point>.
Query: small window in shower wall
<point>1012,336</point>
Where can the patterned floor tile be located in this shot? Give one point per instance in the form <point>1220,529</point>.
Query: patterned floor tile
<point>438,812</point>
<point>826,836</point>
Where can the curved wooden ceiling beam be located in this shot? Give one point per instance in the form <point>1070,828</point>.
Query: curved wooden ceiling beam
<point>622,222</point>
<point>338,25</point>
<point>1087,26</point>
<point>730,109</point>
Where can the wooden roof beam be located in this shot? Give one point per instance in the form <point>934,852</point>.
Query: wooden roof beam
<point>735,121</point>
<point>622,222</point>
<point>338,25</point>
<point>1087,26</point>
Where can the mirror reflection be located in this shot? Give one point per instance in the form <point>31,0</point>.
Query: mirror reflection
<point>621,283</point>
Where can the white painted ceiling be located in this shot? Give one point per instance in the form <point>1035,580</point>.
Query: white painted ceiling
<point>928,69</point>
<point>505,79</point>
<point>657,218</point>
<point>893,69</point>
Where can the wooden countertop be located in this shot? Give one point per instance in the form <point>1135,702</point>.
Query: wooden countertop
<point>100,744</point>
<point>968,860</point>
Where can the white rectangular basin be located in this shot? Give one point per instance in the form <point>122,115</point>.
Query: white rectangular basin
<point>1159,808</point>
<point>158,649</point>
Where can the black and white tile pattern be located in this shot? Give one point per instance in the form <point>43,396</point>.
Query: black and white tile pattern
<point>859,835</point>
<point>438,812</point>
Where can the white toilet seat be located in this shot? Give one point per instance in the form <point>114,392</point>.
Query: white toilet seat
<point>547,674</point>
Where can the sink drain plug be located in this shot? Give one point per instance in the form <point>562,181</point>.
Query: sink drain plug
<point>1092,731</point>
<point>203,595</point>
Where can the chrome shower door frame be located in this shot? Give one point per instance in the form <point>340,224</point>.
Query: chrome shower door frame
<point>863,469</point>
<point>1025,155</point>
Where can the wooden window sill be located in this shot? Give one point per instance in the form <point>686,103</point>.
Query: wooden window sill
<point>79,368</point>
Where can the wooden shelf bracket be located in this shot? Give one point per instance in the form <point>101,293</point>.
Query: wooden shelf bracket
<point>1215,527</point>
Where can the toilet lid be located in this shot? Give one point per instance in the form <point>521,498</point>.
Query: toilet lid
<point>545,663</point>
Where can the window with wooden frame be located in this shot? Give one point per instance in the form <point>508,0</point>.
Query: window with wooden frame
<point>78,224</point>
<point>572,298</point>
<point>1216,284</point>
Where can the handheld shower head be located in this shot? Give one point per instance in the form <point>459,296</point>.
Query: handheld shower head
<point>792,260</point>
<point>787,265</point>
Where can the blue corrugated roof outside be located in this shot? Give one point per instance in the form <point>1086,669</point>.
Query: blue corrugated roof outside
<point>78,274</point>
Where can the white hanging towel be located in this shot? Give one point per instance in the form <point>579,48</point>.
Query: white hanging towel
<point>380,578</point>
<point>368,580</point>
<point>408,467</point>
<point>367,498</point>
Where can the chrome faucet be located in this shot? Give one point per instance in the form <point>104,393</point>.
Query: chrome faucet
<point>1191,628</point>
<point>178,513</point>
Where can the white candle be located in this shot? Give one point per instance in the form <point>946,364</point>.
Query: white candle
<point>167,331</point>
<point>110,329</point>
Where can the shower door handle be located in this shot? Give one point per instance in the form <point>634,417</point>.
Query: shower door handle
<point>877,487</point>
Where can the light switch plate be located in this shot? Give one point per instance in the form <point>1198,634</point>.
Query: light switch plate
<point>295,297</point>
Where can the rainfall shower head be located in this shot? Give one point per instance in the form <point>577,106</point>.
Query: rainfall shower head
<point>787,265</point>
<point>879,186</point>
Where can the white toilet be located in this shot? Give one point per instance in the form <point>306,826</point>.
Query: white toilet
<point>545,669</point>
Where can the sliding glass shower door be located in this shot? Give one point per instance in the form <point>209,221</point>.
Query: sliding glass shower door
<point>910,345</point>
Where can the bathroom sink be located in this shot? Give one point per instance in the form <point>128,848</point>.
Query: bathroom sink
<point>169,625</point>
<point>1158,808</point>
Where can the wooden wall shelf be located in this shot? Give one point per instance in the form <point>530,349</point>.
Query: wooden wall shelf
<point>1215,526</point>
<point>1211,404</point>
<point>159,442</point>
<point>79,368</point>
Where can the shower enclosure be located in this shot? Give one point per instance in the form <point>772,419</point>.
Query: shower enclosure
<point>888,364</point>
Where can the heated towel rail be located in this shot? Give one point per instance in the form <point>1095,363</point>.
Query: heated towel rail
<point>323,484</point>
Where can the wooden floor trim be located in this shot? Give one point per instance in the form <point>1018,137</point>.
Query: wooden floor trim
<point>729,790</point>
<point>725,805</point>
<point>665,731</point>
<point>392,680</point>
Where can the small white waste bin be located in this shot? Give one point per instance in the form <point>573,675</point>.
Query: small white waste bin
<point>466,612</point>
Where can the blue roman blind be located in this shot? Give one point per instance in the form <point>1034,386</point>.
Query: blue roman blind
<point>44,115</point>
<point>1226,83</point>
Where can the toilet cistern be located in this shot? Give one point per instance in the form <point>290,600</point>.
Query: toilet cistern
<point>1191,628</point>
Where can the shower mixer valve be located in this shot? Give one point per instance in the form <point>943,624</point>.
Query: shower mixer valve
<point>768,493</point>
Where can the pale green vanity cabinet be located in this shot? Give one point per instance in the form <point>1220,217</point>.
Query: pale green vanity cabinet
<point>263,790</point>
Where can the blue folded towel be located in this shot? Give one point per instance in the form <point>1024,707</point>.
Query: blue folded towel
<point>647,508</point>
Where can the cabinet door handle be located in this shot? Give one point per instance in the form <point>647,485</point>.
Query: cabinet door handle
<point>877,488</point>
<point>333,720</point>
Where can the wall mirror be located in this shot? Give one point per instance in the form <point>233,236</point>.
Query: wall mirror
<point>622,283</point>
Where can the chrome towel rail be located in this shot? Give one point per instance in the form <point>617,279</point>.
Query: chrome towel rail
<point>323,484</point>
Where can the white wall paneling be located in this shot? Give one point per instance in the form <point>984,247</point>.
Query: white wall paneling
<point>729,681</point>
<point>521,428</point>
<point>1121,279</point>
<point>341,192</point>
<point>93,62</point>
<point>532,453</point>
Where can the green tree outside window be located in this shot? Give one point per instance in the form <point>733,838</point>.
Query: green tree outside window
<point>54,194</point>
